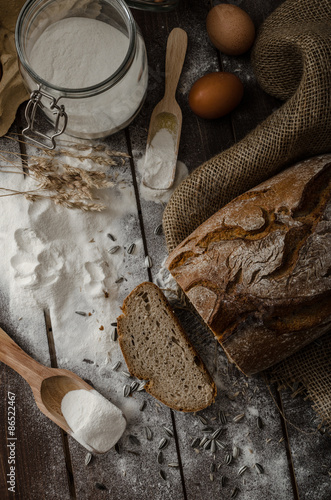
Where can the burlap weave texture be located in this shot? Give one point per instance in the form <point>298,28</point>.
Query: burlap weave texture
<point>292,61</point>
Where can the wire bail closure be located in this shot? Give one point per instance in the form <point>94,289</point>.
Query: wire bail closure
<point>30,115</point>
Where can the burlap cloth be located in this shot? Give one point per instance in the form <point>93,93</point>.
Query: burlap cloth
<point>292,61</point>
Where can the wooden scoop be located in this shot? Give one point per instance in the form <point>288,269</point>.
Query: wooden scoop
<point>167,113</point>
<point>49,385</point>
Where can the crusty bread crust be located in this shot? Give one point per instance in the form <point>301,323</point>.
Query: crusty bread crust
<point>195,365</point>
<point>258,271</point>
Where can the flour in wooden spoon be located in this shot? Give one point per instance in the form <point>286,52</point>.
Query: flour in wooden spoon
<point>95,422</point>
<point>160,160</point>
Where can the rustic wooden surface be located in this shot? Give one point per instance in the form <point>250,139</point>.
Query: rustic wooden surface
<point>296,458</point>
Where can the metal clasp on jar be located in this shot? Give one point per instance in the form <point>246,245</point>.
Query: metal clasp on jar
<point>30,115</point>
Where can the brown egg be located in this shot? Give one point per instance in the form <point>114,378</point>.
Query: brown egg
<point>230,29</point>
<point>215,94</point>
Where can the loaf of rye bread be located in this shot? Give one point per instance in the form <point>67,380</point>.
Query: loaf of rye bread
<point>259,270</point>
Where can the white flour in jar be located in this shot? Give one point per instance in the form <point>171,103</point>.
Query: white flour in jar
<point>96,423</point>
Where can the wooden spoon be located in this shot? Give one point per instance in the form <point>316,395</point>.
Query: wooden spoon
<point>49,385</point>
<point>167,113</point>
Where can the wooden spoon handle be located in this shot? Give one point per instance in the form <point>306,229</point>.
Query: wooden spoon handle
<point>175,56</point>
<point>11,354</point>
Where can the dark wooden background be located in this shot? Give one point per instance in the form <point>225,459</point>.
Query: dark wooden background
<point>295,458</point>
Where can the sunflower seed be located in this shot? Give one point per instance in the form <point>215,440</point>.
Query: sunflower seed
<point>81,313</point>
<point>222,417</point>
<point>126,374</point>
<point>195,442</point>
<point>213,467</point>
<point>120,279</point>
<point>126,391</point>
<point>168,431</point>
<point>141,386</point>
<point>163,474</point>
<point>88,361</point>
<point>173,464</point>
<point>100,486</point>
<point>259,468</point>
<point>211,476</point>
<point>203,441</point>
<point>113,249</point>
<point>134,386</point>
<point>131,248</point>
<point>207,430</point>
<point>163,443</point>
<point>114,335</point>
<point>242,470</point>
<point>148,262</point>
<point>213,446</point>
<point>149,434</point>
<point>223,481</point>
<point>235,452</point>
<point>113,324</point>
<point>259,422</point>
<point>239,417</point>
<point>202,419</point>
<point>228,458</point>
<point>134,440</point>
<point>117,448</point>
<point>111,237</point>
<point>88,458</point>
<point>234,493</point>
<point>160,457</point>
<point>158,230</point>
<point>220,445</point>
<point>143,406</point>
<point>116,366</point>
<point>207,444</point>
<point>217,433</point>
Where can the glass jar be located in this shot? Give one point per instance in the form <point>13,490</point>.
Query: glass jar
<point>153,5</point>
<point>97,108</point>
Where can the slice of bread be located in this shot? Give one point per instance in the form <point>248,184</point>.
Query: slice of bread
<point>156,349</point>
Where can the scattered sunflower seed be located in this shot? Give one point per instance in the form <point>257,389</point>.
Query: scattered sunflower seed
<point>88,361</point>
<point>131,248</point>
<point>160,457</point>
<point>242,470</point>
<point>116,366</point>
<point>149,434</point>
<point>195,442</point>
<point>100,486</point>
<point>117,448</point>
<point>126,391</point>
<point>148,262</point>
<point>217,433</point>
<point>220,445</point>
<point>143,406</point>
<point>239,417</point>
<point>207,430</point>
<point>259,468</point>
<point>173,464</point>
<point>111,237</point>
<point>113,249</point>
<point>223,481</point>
<point>234,493</point>
<point>158,230</point>
<point>141,386</point>
<point>222,417</point>
<point>134,386</point>
<point>88,458</point>
<point>228,458</point>
<point>213,447</point>
<point>114,323</point>
<point>119,280</point>
<point>134,440</point>
<point>168,431</point>
<point>163,443</point>
<point>207,444</point>
<point>203,441</point>
<point>81,313</point>
<point>126,374</point>
<point>163,475</point>
<point>235,452</point>
<point>213,467</point>
<point>259,422</point>
<point>211,476</point>
<point>114,334</point>
<point>202,419</point>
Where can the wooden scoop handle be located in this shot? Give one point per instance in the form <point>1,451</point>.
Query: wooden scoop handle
<point>175,56</point>
<point>12,355</point>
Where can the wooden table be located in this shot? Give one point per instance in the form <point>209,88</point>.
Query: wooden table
<point>296,459</point>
